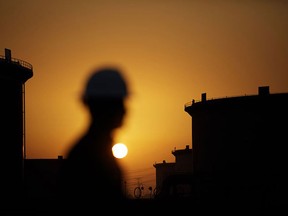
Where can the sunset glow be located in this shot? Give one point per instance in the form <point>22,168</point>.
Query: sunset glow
<point>171,52</point>
<point>120,150</point>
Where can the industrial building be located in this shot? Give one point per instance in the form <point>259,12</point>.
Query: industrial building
<point>240,148</point>
<point>173,178</point>
<point>13,75</point>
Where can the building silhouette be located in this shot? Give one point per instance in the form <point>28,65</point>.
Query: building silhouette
<point>13,75</point>
<point>240,147</point>
<point>183,164</point>
<point>171,177</point>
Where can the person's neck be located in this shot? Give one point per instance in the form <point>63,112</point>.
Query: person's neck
<point>102,135</point>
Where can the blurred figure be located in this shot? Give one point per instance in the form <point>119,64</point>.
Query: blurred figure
<point>90,178</point>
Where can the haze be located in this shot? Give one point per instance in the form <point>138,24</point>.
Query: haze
<point>171,52</point>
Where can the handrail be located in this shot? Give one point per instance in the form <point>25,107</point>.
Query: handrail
<point>19,62</point>
<point>188,104</point>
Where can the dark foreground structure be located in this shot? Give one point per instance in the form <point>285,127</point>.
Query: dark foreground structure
<point>13,75</point>
<point>240,152</point>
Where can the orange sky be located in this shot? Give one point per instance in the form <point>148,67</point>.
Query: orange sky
<point>171,52</point>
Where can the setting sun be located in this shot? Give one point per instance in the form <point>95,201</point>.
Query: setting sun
<point>119,150</point>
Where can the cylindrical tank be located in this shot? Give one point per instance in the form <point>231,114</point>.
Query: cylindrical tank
<point>241,143</point>
<point>238,133</point>
<point>13,75</point>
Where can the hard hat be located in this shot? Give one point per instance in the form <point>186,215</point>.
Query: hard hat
<point>107,83</point>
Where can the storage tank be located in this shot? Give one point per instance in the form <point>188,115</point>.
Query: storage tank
<point>13,75</point>
<point>241,143</point>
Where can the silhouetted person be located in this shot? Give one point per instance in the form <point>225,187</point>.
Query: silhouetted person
<point>91,179</point>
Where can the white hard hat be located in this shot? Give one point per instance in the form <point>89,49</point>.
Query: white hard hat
<point>105,82</point>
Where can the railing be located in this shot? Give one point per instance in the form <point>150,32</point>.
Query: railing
<point>209,99</point>
<point>191,102</point>
<point>18,62</point>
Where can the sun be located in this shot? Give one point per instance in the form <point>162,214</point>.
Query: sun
<point>119,150</point>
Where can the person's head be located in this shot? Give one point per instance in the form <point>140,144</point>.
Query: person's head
<point>104,94</point>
